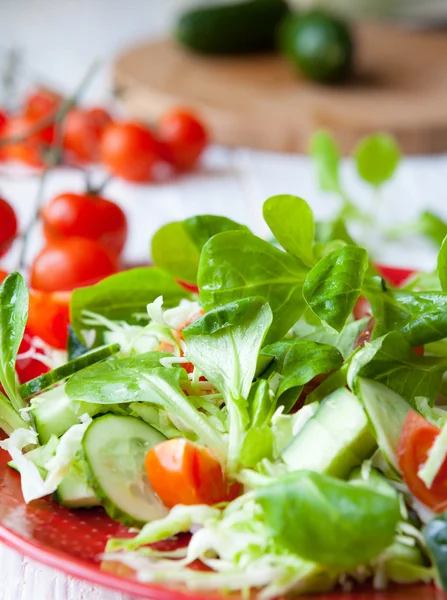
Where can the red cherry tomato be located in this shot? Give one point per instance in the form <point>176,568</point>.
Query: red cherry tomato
<point>49,317</point>
<point>129,150</point>
<point>85,215</point>
<point>183,138</point>
<point>3,275</point>
<point>8,226</point>
<point>416,439</point>
<point>83,130</point>
<point>28,367</point>
<point>395,275</point>
<point>30,150</point>
<point>181,472</point>
<point>71,263</point>
<point>43,102</point>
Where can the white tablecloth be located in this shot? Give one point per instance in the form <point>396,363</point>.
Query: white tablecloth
<point>233,183</point>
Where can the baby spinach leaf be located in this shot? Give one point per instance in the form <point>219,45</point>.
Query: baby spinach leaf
<point>114,381</point>
<point>224,345</point>
<point>292,223</point>
<point>333,286</point>
<point>435,535</point>
<point>13,318</point>
<point>298,362</point>
<point>175,252</point>
<point>420,316</point>
<point>377,157</point>
<point>237,264</point>
<point>392,361</point>
<point>442,265</point>
<point>142,379</point>
<point>123,295</point>
<point>328,521</point>
<point>326,156</point>
<point>176,246</point>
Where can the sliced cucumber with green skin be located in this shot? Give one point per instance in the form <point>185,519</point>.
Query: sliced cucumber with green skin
<point>74,491</point>
<point>114,449</point>
<point>54,413</point>
<point>43,382</point>
<point>335,440</point>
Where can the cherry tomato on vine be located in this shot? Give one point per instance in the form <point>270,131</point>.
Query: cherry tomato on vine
<point>30,149</point>
<point>129,150</point>
<point>29,367</point>
<point>85,215</point>
<point>71,263</point>
<point>8,226</point>
<point>49,317</point>
<point>83,130</point>
<point>183,138</point>
<point>181,472</point>
<point>416,439</point>
<point>42,102</point>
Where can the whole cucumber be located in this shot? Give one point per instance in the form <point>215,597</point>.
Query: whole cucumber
<point>239,28</point>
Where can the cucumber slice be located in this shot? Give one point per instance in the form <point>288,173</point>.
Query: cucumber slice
<point>54,413</point>
<point>43,382</point>
<point>114,449</point>
<point>74,491</point>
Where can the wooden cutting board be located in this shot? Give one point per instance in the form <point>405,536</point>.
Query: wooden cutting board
<point>400,86</point>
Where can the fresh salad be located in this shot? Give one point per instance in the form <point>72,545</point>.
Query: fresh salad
<point>280,410</point>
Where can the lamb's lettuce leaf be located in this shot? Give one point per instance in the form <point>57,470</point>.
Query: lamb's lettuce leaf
<point>176,246</point>
<point>224,345</point>
<point>392,361</point>
<point>122,296</point>
<point>329,521</point>
<point>237,264</point>
<point>298,362</point>
<point>292,223</point>
<point>333,285</point>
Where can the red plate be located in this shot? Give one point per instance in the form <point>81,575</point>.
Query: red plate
<point>72,540</point>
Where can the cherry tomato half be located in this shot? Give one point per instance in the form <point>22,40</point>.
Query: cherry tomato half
<point>416,439</point>
<point>181,472</point>
<point>49,317</point>
<point>129,150</point>
<point>29,150</point>
<point>83,130</point>
<point>29,367</point>
<point>71,263</point>
<point>183,138</point>
<point>85,215</point>
<point>8,226</point>
<point>42,102</point>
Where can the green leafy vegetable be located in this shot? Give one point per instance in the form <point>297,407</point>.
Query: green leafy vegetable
<point>224,345</point>
<point>291,220</point>
<point>420,316</point>
<point>435,536</point>
<point>237,264</point>
<point>392,361</point>
<point>326,155</point>
<point>298,362</point>
<point>428,224</point>
<point>328,521</point>
<point>333,286</point>
<point>377,157</point>
<point>387,412</point>
<point>123,295</point>
<point>13,317</point>
<point>442,265</point>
